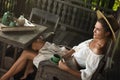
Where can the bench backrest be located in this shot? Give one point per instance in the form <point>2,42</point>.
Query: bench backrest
<point>44,18</point>
<point>72,16</point>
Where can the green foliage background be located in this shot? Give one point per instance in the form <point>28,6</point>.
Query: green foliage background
<point>116,5</point>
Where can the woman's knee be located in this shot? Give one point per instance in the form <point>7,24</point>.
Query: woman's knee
<point>38,44</point>
<point>28,54</point>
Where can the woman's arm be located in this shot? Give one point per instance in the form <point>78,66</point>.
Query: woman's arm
<point>63,66</point>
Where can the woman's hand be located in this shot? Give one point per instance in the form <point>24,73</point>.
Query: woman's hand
<point>63,66</point>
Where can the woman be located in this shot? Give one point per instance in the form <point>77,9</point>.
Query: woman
<point>86,54</point>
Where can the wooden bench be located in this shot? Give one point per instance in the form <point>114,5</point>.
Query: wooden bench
<point>106,69</point>
<point>110,71</point>
<point>75,21</point>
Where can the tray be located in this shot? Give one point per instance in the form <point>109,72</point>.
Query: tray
<point>12,29</point>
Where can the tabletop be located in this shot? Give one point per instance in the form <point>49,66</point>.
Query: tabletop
<point>21,39</point>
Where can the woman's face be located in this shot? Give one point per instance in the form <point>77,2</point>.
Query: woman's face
<point>99,32</point>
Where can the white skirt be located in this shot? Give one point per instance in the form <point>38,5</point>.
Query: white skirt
<point>47,51</point>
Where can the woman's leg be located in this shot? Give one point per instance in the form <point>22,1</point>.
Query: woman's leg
<point>22,60</point>
<point>19,64</point>
<point>29,69</point>
<point>36,45</point>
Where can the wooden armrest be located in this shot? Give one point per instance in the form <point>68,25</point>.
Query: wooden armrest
<point>48,70</point>
<point>48,36</point>
<point>67,47</point>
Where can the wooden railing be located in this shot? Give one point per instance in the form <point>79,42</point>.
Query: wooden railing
<point>24,6</point>
<point>71,16</point>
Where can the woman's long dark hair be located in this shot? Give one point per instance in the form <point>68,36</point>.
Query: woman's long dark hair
<point>105,25</point>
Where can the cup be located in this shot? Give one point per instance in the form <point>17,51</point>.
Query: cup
<point>56,58</point>
<point>12,24</point>
<point>21,21</point>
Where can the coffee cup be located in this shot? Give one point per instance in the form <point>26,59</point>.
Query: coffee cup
<point>12,24</point>
<point>56,58</point>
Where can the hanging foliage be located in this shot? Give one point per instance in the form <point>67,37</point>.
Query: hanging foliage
<point>116,5</point>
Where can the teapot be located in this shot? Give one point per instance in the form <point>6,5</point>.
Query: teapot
<point>7,17</point>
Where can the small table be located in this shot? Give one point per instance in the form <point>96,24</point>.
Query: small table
<point>19,40</point>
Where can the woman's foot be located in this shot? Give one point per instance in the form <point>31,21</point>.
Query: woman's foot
<point>23,77</point>
<point>26,74</point>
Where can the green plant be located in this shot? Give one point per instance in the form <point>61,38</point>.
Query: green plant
<point>116,5</point>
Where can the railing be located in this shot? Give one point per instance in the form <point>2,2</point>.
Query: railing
<point>24,6</point>
<point>71,16</point>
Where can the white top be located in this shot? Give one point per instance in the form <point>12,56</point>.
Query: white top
<point>87,59</point>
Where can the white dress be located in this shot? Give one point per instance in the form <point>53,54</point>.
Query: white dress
<point>83,55</point>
